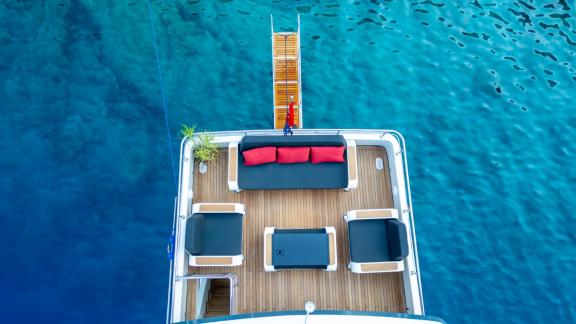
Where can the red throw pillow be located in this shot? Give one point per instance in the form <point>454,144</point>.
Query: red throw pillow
<point>293,154</point>
<point>322,154</point>
<point>260,155</point>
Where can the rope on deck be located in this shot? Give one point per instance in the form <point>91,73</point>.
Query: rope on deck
<point>163,93</point>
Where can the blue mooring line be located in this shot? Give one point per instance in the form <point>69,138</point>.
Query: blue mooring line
<point>171,244</point>
<point>164,105</point>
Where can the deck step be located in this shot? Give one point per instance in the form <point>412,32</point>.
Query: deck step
<point>286,70</point>
<point>282,93</point>
<point>218,303</point>
<point>286,44</point>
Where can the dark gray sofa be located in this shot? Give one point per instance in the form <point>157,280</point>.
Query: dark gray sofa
<point>295,175</point>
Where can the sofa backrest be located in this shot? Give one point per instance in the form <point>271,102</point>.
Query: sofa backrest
<point>250,142</point>
<point>397,240</point>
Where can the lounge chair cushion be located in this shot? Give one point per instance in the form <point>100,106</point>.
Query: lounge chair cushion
<point>368,240</point>
<point>397,240</point>
<point>195,234</point>
<point>328,154</point>
<point>220,234</point>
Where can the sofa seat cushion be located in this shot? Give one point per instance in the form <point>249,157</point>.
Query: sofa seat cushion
<point>368,241</point>
<point>334,154</point>
<point>293,176</point>
<point>260,155</point>
<point>293,154</point>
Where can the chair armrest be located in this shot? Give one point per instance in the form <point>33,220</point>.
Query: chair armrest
<point>332,249</point>
<point>233,166</point>
<point>374,267</point>
<point>351,158</point>
<point>371,214</point>
<point>215,261</point>
<point>218,208</point>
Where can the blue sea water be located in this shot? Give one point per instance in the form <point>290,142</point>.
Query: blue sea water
<point>483,91</point>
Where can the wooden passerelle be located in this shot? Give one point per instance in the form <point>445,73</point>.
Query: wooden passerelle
<point>286,66</point>
<point>260,291</point>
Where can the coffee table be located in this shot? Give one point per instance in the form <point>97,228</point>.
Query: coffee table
<point>310,248</point>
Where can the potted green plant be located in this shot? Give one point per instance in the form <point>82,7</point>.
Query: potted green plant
<point>204,150</point>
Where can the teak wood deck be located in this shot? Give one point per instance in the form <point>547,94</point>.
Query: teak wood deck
<point>260,291</point>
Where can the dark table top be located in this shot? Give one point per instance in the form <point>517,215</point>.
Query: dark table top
<point>300,250</point>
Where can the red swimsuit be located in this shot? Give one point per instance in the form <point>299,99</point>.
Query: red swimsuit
<point>291,115</point>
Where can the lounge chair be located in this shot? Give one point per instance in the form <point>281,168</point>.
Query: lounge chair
<point>214,235</point>
<point>377,240</point>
